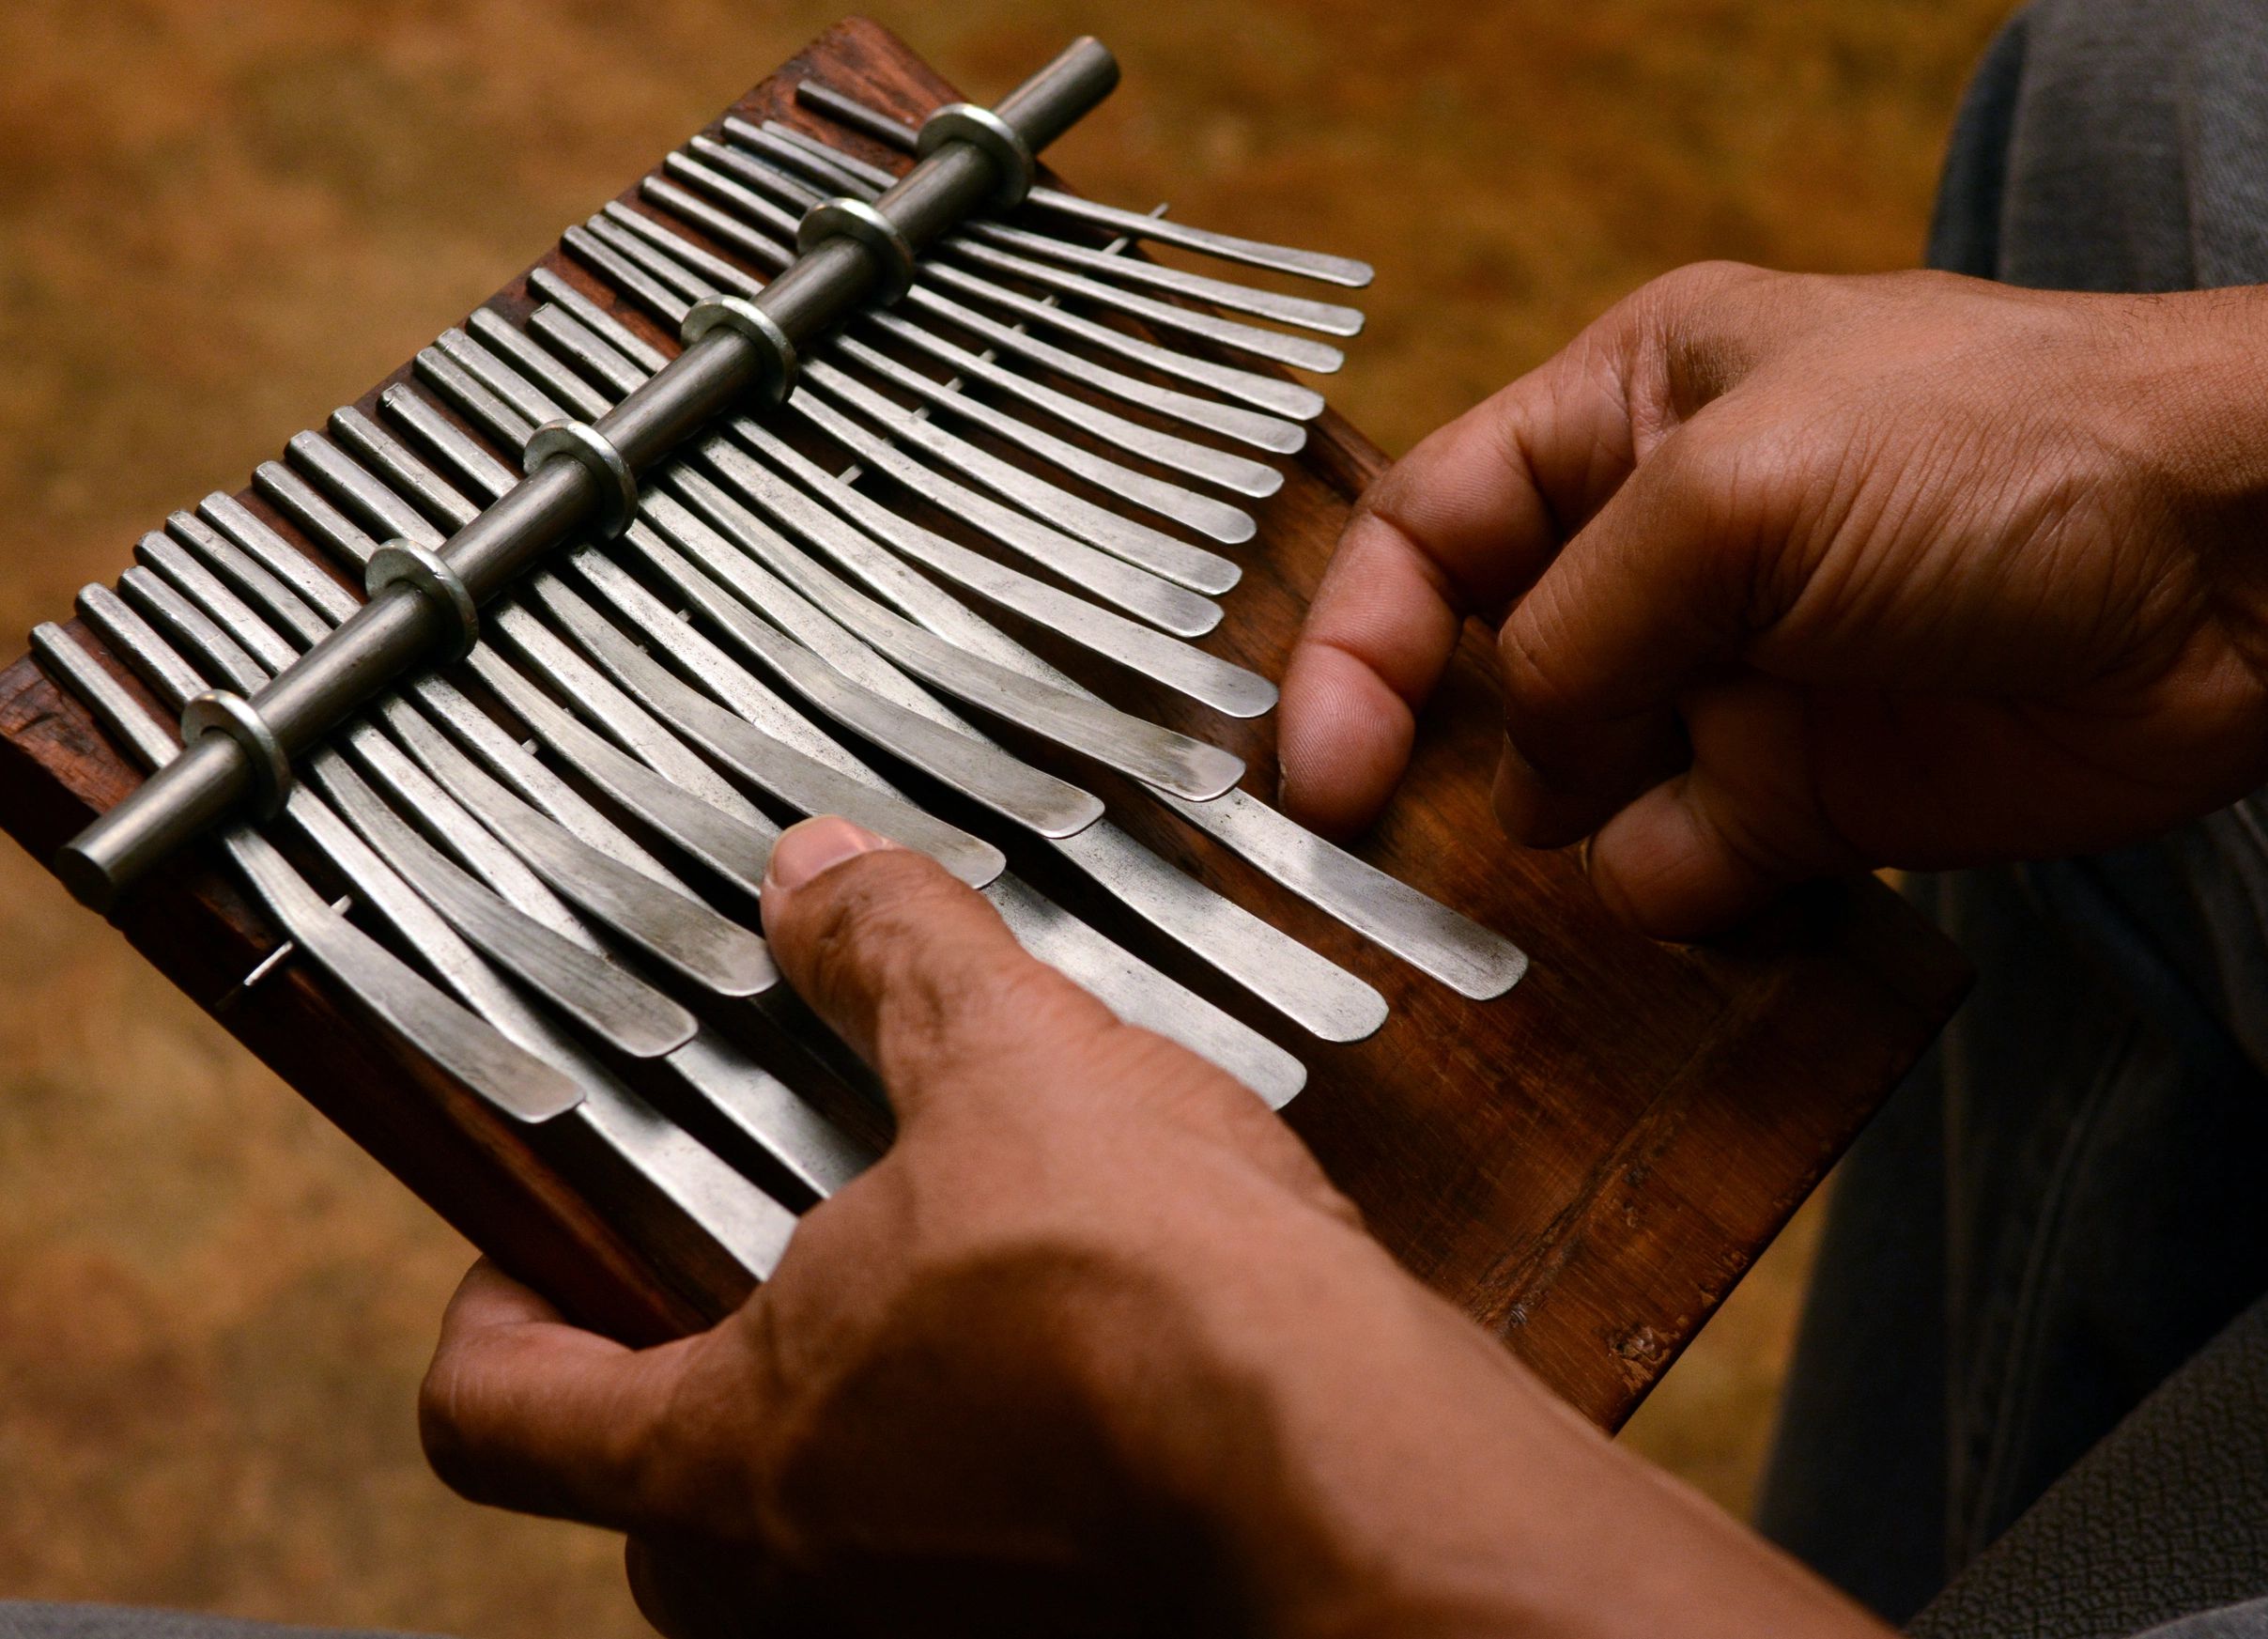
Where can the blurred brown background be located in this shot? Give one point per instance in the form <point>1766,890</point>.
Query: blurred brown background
<point>216,221</point>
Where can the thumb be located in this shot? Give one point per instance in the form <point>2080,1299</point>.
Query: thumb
<point>916,971</point>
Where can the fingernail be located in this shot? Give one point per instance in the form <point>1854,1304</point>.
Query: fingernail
<point>811,846</point>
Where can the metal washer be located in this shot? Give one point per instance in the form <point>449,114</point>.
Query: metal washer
<point>842,218</point>
<point>1002,143</point>
<point>738,314</point>
<point>406,563</point>
<point>220,711</point>
<point>595,454</point>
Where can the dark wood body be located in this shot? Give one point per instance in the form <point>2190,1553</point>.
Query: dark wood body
<point>1586,1164</point>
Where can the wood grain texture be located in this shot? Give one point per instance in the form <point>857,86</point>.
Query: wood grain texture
<point>1586,1164</point>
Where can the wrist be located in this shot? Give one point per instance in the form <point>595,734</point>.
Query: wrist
<point>1360,1460</point>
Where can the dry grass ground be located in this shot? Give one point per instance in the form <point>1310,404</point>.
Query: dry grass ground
<point>218,221</point>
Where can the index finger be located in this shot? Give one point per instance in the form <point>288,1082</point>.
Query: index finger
<point>1460,526</point>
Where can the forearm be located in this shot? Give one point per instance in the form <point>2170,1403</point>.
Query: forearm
<point>1372,1463</point>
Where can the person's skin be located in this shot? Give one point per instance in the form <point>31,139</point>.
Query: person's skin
<point>1807,575</point>
<point>1095,1348</point>
<point>1919,569</point>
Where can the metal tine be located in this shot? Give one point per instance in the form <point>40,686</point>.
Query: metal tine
<point>698,1188</point>
<point>807,784</point>
<point>1473,960</point>
<point>1300,351</point>
<point>720,960</point>
<point>1248,427</point>
<point>1176,501</point>
<point>1327,1000</point>
<point>1263,391</point>
<point>849,111</point>
<point>986,775</point>
<point>1215,519</point>
<point>1174,609</point>
<point>219,640</point>
<point>262,568</point>
<point>574,334</point>
<point>1222,523</point>
<point>619,1009</point>
<point>791,1136</point>
<point>690,803</point>
<point>1233,690</point>
<point>1201,571</point>
<point>1330,317</point>
<point>689,817</point>
<point>1081,723</point>
<point>695,273</point>
<point>1229,470</point>
<point>517,766</point>
<point>512,764</point>
<point>474,1052</point>
<point>654,912</point>
<point>1323,997</point>
<point>1123,537</point>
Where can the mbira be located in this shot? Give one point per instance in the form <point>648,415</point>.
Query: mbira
<point>847,463</point>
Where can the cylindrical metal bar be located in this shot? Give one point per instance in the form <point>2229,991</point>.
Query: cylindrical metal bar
<point>395,631</point>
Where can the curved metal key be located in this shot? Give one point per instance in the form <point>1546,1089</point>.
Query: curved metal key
<point>689,270</point>
<point>468,1049</point>
<point>784,145</point>
<point>1223,468</point>
<point>790,1136</point>
<point>1252,253</point>
<point>1324,998</point>
<point>697,1193</point>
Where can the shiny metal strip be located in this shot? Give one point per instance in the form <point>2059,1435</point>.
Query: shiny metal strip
<point>1264,391</point>
<point>262,568</point>
<point>1228,471</point>
<point>620,1010</point>
<point>1123,537</point>
<point>504,1074</point>
<point>688,269</point>
<point>1284,349</point>
<point>593,866</point>
<point>1320,996</point>
<point>623,1012</point>
<point>1460,953</point>
<point>1220,684</point>
<point>1331,270</point>
<point>1157,600</point>
<point>761,757</point>
<point>1142,750</point>
<point>819,789</point>
<point>792,1137</point>
<point>1269,392</point>
<point>1247,426</point>
<point>1298,351</point>
<point>695,1191</point>
<point>1217,520</point>
<point>983,773</point>
<point>1176,501</point>
<point>1329,318</point>
<point>696,941</point>
<point>1328,1001</point>
<point>1084,724</point>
